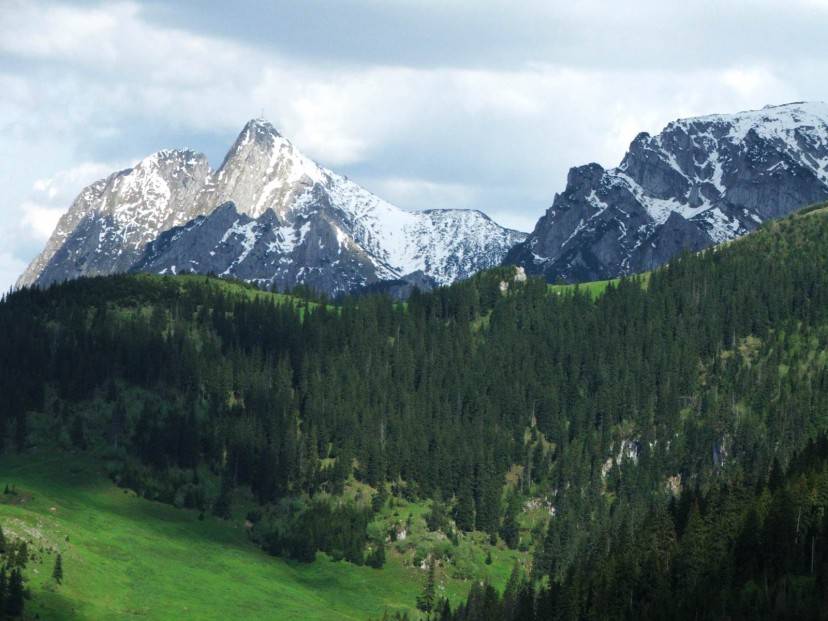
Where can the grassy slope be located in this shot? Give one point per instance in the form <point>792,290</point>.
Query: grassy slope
<point>127,557</point>
<point>596,287</point>
<point>231,288</point>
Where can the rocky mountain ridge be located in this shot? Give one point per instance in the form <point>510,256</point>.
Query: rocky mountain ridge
<point>269,214</point>
<point>273,216</point>
<point>699,182</point>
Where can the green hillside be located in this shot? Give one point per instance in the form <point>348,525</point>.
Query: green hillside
<point>609,443</point>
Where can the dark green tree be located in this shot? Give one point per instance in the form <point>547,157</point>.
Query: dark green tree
<point>510,530</point>
<point>57,571</point>
<point>15,593</point>
<point>426,600</point>
<point>464,507</point>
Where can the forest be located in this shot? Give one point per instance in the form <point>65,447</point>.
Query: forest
<point>674,425</point>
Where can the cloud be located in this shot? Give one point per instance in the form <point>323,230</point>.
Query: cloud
<point>495,35</point>
<point>27,226</point>
<point>10,268</point>
<point>424,194</point>
<point>515,220</point>
<point>40,221</point>
<point>51,196</point>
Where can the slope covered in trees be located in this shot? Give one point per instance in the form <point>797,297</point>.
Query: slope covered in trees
<point>738,551</point>
<point>492,395</point>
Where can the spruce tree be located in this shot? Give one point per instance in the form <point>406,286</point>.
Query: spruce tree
<point>15,594</point>
<point>464,509</point>
<point>426,600</point>
<point>510,531</point>
<point>57,572</point>
<point>4,582</point>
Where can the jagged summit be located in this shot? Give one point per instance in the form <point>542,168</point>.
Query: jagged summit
<point>268,214</point>
<point>790,103</point>
<point>797,111</point>
<point>256,134</point>
<point>260,124</point>
<point>700,181</point>
<point>262,170</point>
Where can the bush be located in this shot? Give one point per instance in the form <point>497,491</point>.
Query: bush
<point>376,559</point>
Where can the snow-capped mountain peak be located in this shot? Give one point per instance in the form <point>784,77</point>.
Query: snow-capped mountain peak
<point>268,214</point>
<point>700,181</point>
<point>263,170</point>
<point>780,122</point>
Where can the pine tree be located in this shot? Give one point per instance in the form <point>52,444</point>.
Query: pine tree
<point>512,591</point>
<point>437,517</point>
<point>510,531</point>
<point>57,572</point>
<point>221,507</point>
<point>464,510</point>
<point>77,433</point>
<point>426,600</point>
<point>4,582</point>
<point>379,499</point>
<point>15,594</point>
<point>693,555</point>
<point>487,514</point>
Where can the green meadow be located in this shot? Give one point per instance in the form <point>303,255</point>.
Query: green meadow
<point>125,557</point>
<point>596,287</point>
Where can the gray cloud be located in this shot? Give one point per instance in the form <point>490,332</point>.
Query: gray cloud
<point>501,34</point>
<point>429,104</point>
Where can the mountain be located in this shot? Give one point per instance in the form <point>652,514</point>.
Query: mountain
<point>272,216</point>
<point>268,215</point>
<point>701,181</point>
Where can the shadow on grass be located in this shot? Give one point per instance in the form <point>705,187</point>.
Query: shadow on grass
<point>77,483</point>
<point>53,606</point>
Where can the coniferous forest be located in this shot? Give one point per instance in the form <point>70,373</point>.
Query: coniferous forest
<point>675,425</point>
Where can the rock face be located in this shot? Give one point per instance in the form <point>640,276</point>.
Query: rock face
<point>268,214</point>
<point>699,182</point>
<point>112,220</point>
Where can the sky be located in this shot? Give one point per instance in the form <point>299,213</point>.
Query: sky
<point>427,103</point>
